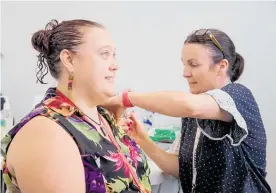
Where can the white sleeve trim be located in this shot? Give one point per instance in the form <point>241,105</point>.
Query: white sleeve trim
<point>225,102</point>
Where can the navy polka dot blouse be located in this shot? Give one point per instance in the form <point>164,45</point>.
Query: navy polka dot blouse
<point>221,157</point>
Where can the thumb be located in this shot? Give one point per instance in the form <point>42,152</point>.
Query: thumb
<point>134,118</point>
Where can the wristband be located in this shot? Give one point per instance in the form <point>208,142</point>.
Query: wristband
<point>125,100</point>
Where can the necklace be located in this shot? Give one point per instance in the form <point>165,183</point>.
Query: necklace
<point>99,124</point>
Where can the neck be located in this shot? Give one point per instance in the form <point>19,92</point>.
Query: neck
<point>87,105</point>
<point>224,82</point>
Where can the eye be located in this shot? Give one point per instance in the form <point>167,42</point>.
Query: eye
<point>193,64</point>
<point>105,54</point>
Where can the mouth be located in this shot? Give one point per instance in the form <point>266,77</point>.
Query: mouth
<point>110,79</point>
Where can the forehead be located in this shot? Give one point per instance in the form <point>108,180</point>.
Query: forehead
<point>195,51</point>
<point>95,37</point>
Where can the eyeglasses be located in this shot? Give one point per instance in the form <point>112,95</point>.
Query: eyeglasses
<point>203,32</point>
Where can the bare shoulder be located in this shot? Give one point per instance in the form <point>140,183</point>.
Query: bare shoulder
<point>39,132</point>
<point>45,158</point>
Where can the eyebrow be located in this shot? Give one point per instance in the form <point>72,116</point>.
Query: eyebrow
<point>102,47</point>
<point>192,60</point>
<point>109,47</point>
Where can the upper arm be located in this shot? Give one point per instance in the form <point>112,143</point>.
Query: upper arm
<point>225,112</point>
<point>205,106</point>
<point>46,159</point>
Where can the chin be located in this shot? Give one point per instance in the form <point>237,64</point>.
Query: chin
<point>105,96</point>
<point>192,90</point>
<point>109,93</point>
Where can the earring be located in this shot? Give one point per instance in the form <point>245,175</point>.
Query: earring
<point>70,81</point>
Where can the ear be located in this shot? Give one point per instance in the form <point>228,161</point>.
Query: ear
<point>66,58</point>
<point>223,67</point>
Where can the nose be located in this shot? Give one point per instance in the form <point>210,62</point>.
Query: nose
<point>114,66</point>
<point>186,72</point>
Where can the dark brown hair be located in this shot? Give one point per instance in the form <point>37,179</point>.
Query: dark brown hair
<point>236,61</point>
<point>56,37</point>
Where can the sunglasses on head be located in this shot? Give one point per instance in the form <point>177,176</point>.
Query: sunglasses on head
<point>206,32</point>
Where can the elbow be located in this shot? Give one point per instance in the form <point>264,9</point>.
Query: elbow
<point>175,175</point>
<point>174,172</point>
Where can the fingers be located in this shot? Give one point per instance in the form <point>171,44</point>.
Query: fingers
<point>126,124</point>
<point>121,122</point>
<point>125,128</point>
<point>130,123</point>
<point>133,117</point>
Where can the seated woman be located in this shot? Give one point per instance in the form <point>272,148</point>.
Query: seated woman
<point>68,143</point>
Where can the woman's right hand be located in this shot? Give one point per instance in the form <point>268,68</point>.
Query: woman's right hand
<point>134,128</point>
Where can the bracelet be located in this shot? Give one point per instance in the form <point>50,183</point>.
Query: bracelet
<point>126,101</point>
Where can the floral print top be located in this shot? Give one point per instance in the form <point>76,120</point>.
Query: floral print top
<point>107,168</point>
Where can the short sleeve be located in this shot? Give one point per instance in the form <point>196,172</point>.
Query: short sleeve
<point>237,100</point>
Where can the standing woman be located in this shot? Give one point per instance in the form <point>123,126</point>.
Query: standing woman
<point>223,142</point>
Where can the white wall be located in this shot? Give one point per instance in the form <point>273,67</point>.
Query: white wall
<point>149,38</point>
